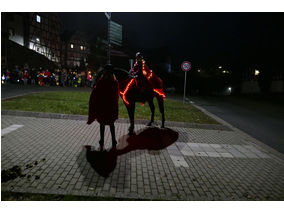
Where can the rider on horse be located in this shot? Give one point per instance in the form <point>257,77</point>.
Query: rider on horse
<point>145,78</point>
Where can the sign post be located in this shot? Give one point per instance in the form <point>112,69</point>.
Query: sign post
<point>108,15</point>
<point>185,66</point>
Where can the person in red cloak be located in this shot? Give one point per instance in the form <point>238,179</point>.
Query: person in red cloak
<point>103,104</point>
<point>145,77</point>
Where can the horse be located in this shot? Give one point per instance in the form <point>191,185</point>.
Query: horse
<point>130,94</point>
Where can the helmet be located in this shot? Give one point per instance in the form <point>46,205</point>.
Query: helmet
<point>108,67</point>
<point>139,55</point>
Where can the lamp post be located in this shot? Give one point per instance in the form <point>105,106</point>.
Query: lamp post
<point>108,15</point>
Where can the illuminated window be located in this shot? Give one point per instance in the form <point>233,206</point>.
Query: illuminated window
<point>81,47</point>
<point>38,18</point>
<point>72,46</point>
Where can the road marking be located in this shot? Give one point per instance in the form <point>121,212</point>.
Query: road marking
<point>179,150</point>
<point>10,129</point>
<point>176,156</point>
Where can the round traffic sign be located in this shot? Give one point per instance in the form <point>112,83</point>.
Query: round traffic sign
<point>186,66</point>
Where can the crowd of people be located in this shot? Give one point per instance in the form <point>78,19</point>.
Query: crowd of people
<point>48,77</point>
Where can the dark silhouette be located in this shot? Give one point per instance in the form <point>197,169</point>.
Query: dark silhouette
<point>103,162</point>
<point>103,104</point>
<point>150,138</point>
<point>131,92</point>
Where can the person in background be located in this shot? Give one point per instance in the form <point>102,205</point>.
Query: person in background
<point>25,77</point>
<point>33,76</point>
<point>89,78</point>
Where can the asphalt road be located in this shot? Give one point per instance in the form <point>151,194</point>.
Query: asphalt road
<point>260,119</point>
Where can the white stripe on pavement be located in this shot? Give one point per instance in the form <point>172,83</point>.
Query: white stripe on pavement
<point>221,150</point>
<point>179,150</point>
<point>10,129</point>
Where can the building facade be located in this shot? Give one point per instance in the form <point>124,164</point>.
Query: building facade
<point>75,49</point>
<point>37,31</point>
<point>44,35</point>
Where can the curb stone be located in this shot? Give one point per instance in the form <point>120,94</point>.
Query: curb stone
<point>120,120</point>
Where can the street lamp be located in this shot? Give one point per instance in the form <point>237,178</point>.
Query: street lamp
<point>108,15</point>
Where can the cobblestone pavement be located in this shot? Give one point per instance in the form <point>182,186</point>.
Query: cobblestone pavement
<point>176,163</point>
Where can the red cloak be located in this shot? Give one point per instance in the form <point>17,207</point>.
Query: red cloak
<point>103,104</point>
<point>154,81</point>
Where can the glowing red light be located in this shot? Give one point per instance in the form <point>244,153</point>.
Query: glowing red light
<point>148,74</point>
<point>160,92</point>
<point>125,91</point>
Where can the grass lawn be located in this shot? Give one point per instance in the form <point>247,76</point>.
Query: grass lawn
<point>78,103</point>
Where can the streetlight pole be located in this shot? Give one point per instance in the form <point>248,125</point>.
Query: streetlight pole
<point>108,15</point>
<point>108,42</point>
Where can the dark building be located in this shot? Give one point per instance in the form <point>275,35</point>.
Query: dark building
<point>36,31</point>
<point>75,49</point>
<point>44,34</point>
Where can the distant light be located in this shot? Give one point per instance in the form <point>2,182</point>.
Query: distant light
<point>72,46</point>
<point>230,89</point>
<point>224,71</point>
<point>220,67</point>
<point>3,77</point>
<point>81,47</point>
<point>37,39</point>
<point>198,70</point>
<point>18,80</point>
<point>2,82</point>
<point>256,72</point>
<point>38,18</point>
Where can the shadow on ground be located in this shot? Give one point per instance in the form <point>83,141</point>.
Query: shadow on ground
<point>150,138</point>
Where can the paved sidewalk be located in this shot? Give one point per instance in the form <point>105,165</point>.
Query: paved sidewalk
<point>176,163</point>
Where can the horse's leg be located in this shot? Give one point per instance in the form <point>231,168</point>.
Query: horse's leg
<point>152,107</point>
<point>161,107</point>
<point>131,110</point>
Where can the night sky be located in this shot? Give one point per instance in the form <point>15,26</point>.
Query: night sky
<point>203,38</point>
